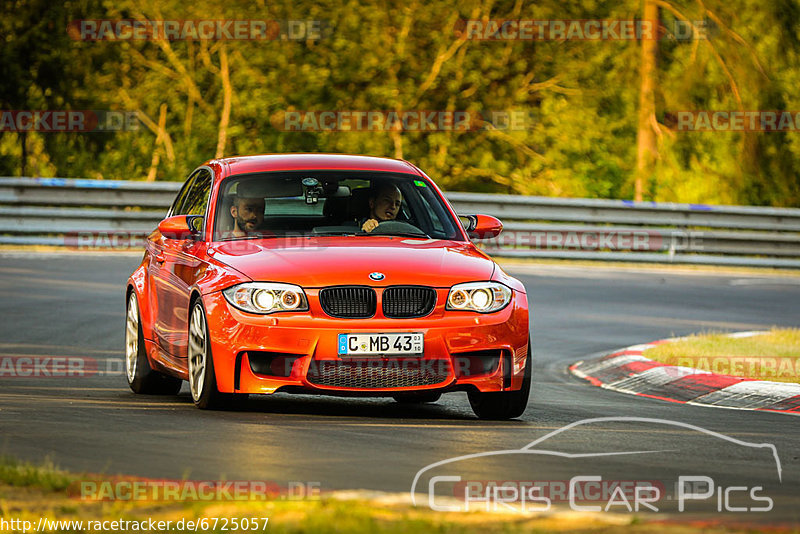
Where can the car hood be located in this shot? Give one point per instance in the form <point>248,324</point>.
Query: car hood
<point>346,260</point>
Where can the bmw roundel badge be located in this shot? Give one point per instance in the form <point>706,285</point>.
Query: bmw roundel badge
<point>377,276</point>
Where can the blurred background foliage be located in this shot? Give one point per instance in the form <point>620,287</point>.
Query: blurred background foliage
<point>198,99</point>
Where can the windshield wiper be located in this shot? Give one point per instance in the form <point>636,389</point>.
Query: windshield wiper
<point>421,235</point>
<point>334,232</point>
<point>250,237</point>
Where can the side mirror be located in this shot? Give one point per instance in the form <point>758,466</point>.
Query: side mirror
<point>481,226</point>
<point>181,226</point>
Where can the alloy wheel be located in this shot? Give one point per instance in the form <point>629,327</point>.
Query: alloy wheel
<point>197,352</point>
<point>131,338</point>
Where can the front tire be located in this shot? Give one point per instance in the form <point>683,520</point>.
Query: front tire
<point>202,378</point>
<point>141,377</point>
<point>504,404</point>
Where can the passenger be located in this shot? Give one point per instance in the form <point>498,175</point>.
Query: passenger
<point>384,205</point>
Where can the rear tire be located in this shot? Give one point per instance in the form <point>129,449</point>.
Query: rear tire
<point>417,398</point>
<point>504,404</point>
<point>202,378</point>
<point>141,377</point>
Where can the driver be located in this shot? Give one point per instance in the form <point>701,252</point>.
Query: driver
<point>384,205</point>
<point>248,215</point>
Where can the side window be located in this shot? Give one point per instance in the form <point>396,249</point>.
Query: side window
<point>197,198</point>
<point>180,200</point>
<point>435,220</point>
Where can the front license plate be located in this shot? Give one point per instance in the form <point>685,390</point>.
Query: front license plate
<point>380,344</point>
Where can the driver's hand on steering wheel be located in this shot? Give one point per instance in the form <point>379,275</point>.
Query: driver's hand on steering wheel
<point>369,225</point>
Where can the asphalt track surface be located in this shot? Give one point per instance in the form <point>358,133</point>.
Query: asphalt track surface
<point>73,305</point>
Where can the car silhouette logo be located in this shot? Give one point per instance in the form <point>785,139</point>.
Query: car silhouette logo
<point>377,276</point>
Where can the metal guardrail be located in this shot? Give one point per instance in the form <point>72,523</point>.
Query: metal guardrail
<point>629,212</point>
<point>56,211</point>
<point>89,193</point>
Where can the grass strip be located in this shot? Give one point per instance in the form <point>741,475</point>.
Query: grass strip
<point>773,356</point>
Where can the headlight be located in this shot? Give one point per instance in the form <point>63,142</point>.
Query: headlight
<point>484,297</point>
<point>265,297</point>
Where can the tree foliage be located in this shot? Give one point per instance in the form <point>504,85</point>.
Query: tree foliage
<point>199,99</point>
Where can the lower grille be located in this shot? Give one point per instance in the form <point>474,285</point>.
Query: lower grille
<point>403,302</point>
<point>348,302</point>
<point>378,374</point>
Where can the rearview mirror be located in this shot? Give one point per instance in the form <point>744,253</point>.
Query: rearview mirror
<point>181,226</point>
<point>481,226</point>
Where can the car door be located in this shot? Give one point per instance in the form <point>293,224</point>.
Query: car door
<point>176,271</point>
<point>155,246</point>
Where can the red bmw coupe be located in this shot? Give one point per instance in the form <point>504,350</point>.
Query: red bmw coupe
<point>324,274</point>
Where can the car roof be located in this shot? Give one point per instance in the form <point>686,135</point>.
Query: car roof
<point>292,162</point>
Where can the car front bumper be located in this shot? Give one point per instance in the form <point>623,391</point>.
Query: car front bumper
<point>298,352</point>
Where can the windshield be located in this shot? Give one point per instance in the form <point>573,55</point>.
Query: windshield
<point>316,203</point>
